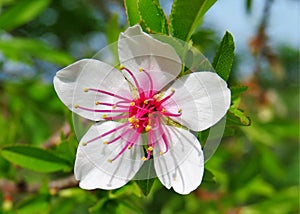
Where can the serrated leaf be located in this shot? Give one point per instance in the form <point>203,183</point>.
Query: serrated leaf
<point>223,59</point>
<point>132,12</point>
<point>21,49</point>
<point>34,158</point>
<point>236,117</point>
<point>186,16</point>
<point>21,13</point>
<point>153,16</point>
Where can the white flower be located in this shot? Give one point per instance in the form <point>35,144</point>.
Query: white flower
<point>145,112</point>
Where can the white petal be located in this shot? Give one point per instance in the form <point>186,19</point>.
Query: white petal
<point>203,98</point>
<point>92,167</point>
<point>71,81</point>
<point>139,50</point>
<point>182,166</point>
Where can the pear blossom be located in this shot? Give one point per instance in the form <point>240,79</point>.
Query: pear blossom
<point>143,112</point>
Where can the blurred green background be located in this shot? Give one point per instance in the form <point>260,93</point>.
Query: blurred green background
<point>256,169</point>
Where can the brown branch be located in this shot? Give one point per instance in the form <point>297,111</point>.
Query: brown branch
<point>10,188</point>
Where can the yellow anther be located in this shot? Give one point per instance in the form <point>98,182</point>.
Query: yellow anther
<point>141,69</point>
<point>121,67</point>
<point>173,90</point>
<point>85,89</point>
<point>104,116</point>
<point>163,110</point>
<point>114,106</point>
<point>109,160</point>
<point>97,103</point>
<point>132,103</point>
<point>76,105</point>
<point>148,128</point>
<point>129,147</point>
<point>105,142</point>
<point>131,119</point>
<point>158,96</point>
<point>179,110</point>
<point>146,102</point>
<point>161,153</point>
<point>84,143</point>
<point>144,158</point>
<point>150,148</point>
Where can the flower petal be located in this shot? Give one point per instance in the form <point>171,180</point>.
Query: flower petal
<point>203,98</point>
<point>70,83</point>
<point>92,167</point>
<point>139,50</point>
<point>182,166</point>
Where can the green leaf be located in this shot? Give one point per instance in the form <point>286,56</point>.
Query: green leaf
<point>186,16</point>
<point>34,204</point>
<point>132,11</point>
<point>208,176</point>
<point>236,117</point>
<point>33,158</point>
<point>145,185</point>
<point>21,49</point>
<point>237,90</point>
<point>21,13</point>
<point>153,16</point>
<point>223,59</point>
<point>203,135</point>
<point>113,30</point>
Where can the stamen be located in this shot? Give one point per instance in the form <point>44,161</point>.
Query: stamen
<point>107,133</point>
<point>102,110</point>
<point>108,93</point>
<point>131,142</point>
<point>110,104</point>
<point>121,67</point>
<point>167,97</point>
<point>116,117</point>
<point>85,89</point>
<point>148,128</point>
<point>151,90</point>
<point>134,79</point>
<point>169,114</point>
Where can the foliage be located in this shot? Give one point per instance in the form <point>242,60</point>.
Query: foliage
<point>255,169</point>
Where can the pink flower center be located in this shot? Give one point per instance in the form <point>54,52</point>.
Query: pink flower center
<point>144,114</point>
